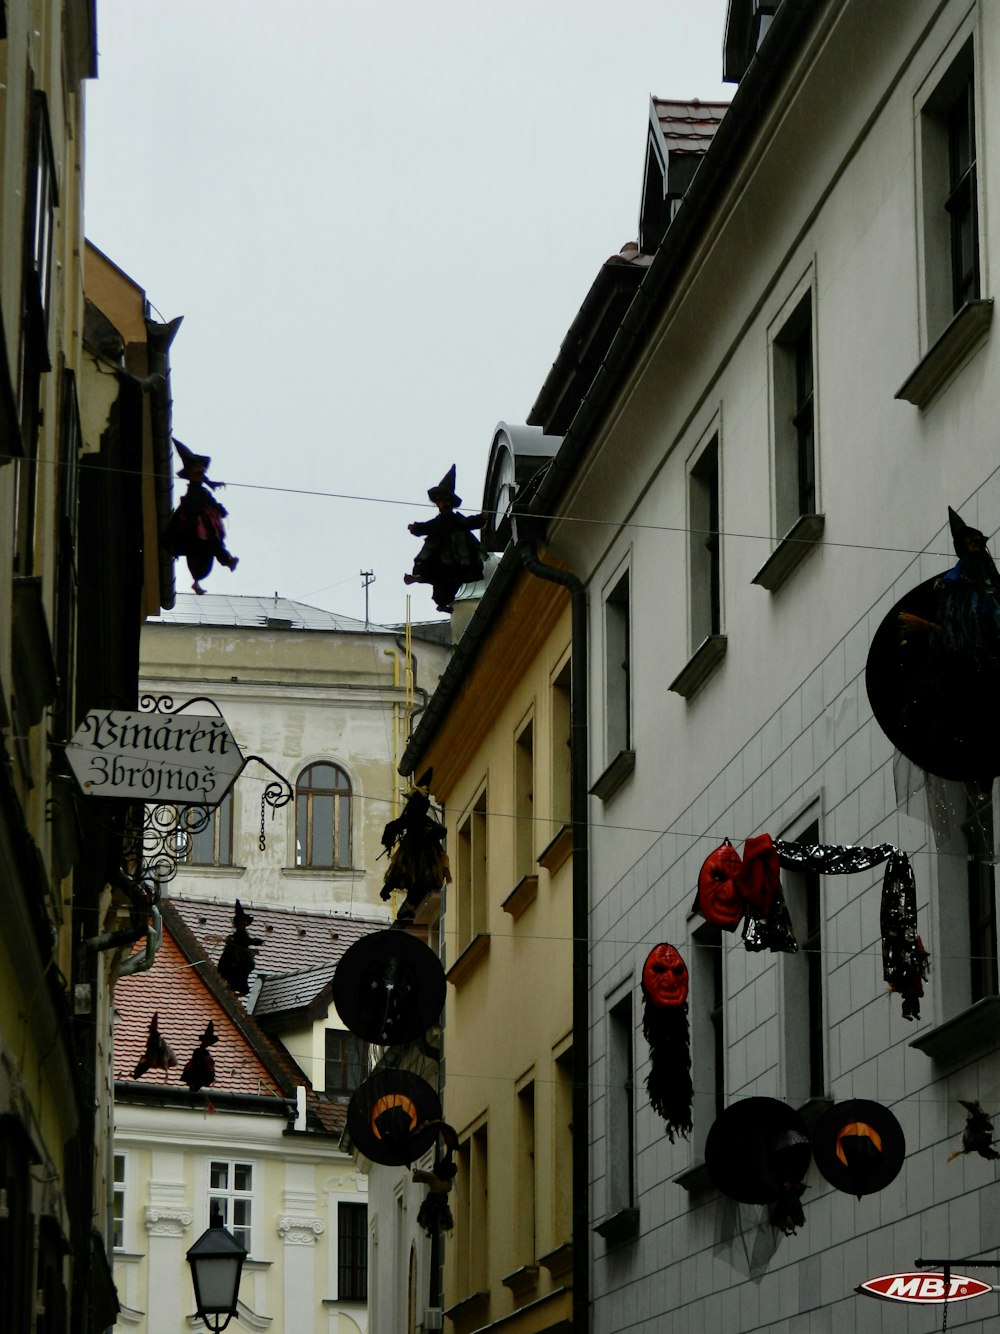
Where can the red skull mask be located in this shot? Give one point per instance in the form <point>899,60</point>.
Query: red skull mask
<point>665,977</point>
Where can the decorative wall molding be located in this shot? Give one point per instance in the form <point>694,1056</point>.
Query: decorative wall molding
<point>166,1222</point>
<point>296,1230</point>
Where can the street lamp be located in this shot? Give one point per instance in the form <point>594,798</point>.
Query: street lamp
<point>216,1261</point>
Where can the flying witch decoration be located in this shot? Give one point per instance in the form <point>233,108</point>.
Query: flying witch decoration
<point>418,863</point>
<point>731,888</point>
<point>434,1214</point>
<point>451,555</point>
<point>977,1136</point>
<point>199,1071</point>
<point>932,667</point>
<point>159,1055</point>
<point>237,960</point>
<point>196,530</point>
<point>665,1028</point>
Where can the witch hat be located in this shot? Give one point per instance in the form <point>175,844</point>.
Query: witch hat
<point>389,988</point>
<point>756,1150</point>
<point>195,465</point>
<point>389,1117</point>
<point>445,489</point>
<point>859,1146</point>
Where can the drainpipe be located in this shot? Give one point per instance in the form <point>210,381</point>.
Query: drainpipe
<point>579,811</point>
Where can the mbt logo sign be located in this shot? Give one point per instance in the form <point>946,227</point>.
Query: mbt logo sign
<point>924,1287</point>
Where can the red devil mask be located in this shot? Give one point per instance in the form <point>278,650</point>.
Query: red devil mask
<point>719,897</point>
<point>665,977</point>
<point>761,873</point>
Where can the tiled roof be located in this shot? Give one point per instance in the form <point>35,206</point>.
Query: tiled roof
<point>293,941</point>
<point>688,127</point>
<point>174,989</point>
<point>280,992</point>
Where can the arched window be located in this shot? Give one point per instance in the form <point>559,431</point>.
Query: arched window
<point>323,817</point>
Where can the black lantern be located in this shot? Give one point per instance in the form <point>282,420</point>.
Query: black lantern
<point>216,1261</point>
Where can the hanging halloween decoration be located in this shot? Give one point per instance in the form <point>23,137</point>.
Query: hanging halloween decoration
<point>238,958</point>
<point>450,555</point>
<point>159,1055</point>
<point>418,863</point>
<point>730,886</point>
<point>435,1215</point>
<point>200,1069</point>
<point>389,988</point>
<point>196,530</point>
<point>932,667</point>
<point>758,1152</point>
<point>393,1117</point>
<point>859,1146</point>
<point>977,1136</point>
<point>665,1028</point>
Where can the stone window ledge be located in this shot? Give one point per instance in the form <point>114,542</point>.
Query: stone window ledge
<point>614,775</point>
<point>619,1227</point>
<point>476,949</point>
<point>700,666</point>
<point>957,1038</point>
<point>965,332</point>
<point>555,853</point>
<point>521,896</point>
<point>791,551</point>
<point>558,1262</point>
<point>695,1179</point>
<point>521,1280</point>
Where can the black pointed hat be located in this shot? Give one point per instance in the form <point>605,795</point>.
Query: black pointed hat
<point>389,988</point>
<point>961,532</point>
<point>445,489</point>
<point>193,463</point>
<point>859,1146</point>
<point>393,1117</point>
<point>756,1149</point>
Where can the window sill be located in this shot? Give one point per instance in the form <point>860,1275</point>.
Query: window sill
<point>559,1262</point>
<point>700,666</point>
<point>474,1304</point>
<point>966,331</point>
<point>477,948</point>
<point>321,872</point>
<point>619,1227</point>
<point>220,872</point>
<point>521,1280</point>
<point>791,551</point>
<point>614,775</point>
<point>555,853</point>
<point>957,1038</point>
<point>521,896</point>
<point>695,1179</point>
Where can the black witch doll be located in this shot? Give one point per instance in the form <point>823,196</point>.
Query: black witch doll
<point>238,957</point>
<point>451,555</point>
<point>419,863</point>
<point>196,530</point>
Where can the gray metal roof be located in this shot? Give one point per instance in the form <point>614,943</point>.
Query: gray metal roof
<point>259,613</point>
<point>281,992</point>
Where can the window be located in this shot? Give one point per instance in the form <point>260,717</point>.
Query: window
<point>977,833</point>
<point>708,1031</point>
<point>524,1234</point>
<point>471,884</point>
<point>212,845</point>
<point>346,1062</point>
<point>561,1173</point>
<point>118,1202</point>
<point>794,417</point>
<point>472,1211</point>
<point>802,980</point>
<point>524,802</point>
<point>352,1251</point>
<point>230,1198</point>
<point>16,1225</point>
<point>620,1160</point>
<point>562,747</point>
<point>618,667</point>
<point>323,817</point>
<point>705,550</point>
<point>950,193</point>
<point>50,1307</point>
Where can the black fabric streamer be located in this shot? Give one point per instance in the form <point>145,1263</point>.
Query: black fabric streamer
<point>905,962</point>
<point>669,1080</point>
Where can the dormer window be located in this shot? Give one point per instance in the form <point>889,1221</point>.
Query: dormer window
<point>679,136</point>
<point>747,22</point>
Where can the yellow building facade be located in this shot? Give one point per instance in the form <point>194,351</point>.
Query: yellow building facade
<point>497,736</point>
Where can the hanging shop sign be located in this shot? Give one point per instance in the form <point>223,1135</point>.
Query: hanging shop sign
<point>924,1288</point>
<point>180,758</point>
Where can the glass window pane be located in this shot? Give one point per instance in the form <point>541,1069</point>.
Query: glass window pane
<point>243,1177</point>
<point>301,840</point>
<point>219,1176</point>
<point>224,818</point>
<point>343,831</point>
<point>321,849</point>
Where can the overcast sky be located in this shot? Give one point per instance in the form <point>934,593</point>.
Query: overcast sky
<point>378,221</point>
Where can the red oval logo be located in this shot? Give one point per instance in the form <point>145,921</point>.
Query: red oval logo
<point>924,1286</point>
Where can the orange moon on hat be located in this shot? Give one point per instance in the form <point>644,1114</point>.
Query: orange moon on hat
<point>388,1101</point>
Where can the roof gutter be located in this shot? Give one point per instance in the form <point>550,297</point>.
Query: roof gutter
<point>158,340</point>
<point>752,99</point>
